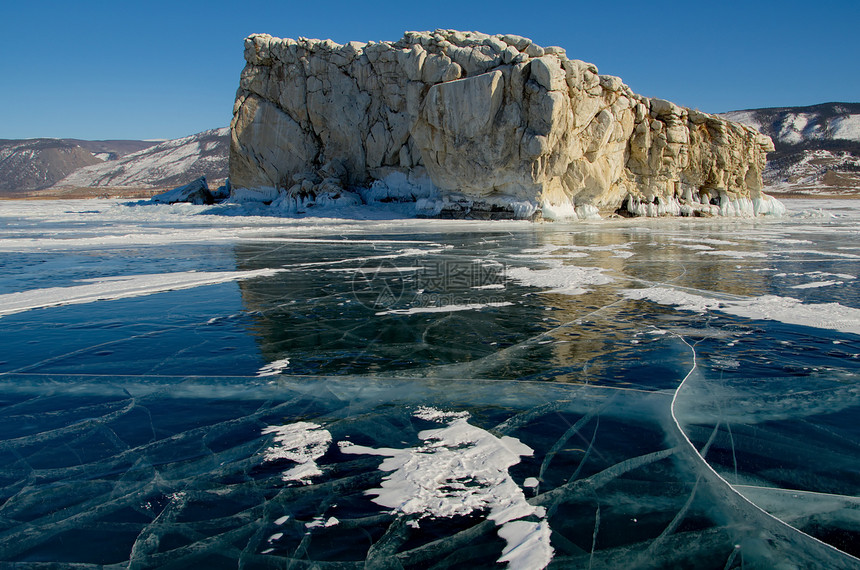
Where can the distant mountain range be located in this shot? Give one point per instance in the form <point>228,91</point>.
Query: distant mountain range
<point>817,153</point>
<point>70,167</point>
<point>817,147</point>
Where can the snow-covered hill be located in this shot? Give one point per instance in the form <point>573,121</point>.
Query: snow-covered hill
<point>167,164</point>
<point>817,147</point>
<point>38,163</point>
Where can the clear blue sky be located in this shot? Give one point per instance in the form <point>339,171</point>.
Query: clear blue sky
<point>155,69</point>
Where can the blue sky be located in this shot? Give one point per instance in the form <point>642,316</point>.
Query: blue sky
<point>107,70</point>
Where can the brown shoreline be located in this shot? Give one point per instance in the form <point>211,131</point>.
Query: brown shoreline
<point>85,193</point>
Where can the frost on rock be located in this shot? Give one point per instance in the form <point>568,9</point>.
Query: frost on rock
<point>459,470</point>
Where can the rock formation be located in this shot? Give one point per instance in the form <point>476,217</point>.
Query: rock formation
<point>490,119</point>
<point>195,192</point>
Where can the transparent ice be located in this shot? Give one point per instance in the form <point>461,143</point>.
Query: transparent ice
<point>235,390</point>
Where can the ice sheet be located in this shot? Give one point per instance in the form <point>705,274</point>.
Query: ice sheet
<point>201,427</point>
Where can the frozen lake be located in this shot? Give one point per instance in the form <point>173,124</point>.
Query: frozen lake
<point>190,386</point>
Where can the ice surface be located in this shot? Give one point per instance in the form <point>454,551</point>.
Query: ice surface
<point>682,409</point>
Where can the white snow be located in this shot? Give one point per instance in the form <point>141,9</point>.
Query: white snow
<point>444,308</point>
<point>119,287</point>
<point>744,117</point>
<point>728,208</point>
<point>458,470</point>
<point>826,253</point>
<point>318,522</point>
<point>430,414</point>
<point>564,279</point>
<point>847,127</point>
<point>733,253</point>
<point>146,167</point>
<point>816,284</point>
<point>274,368</point>
<point>787,310</point>
<point>828,274</point>
<point>792,128</point>
<point>709,241</point>
<point>569,211</point>
<point>401,187</point>
<point>527,545</point>
<point>302,443</point>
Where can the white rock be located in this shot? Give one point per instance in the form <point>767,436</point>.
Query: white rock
<point>490,117</point>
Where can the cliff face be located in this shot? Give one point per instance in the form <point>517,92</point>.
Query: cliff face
<point>490,118</point>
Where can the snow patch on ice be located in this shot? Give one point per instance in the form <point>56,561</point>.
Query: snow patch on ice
<point>736,254</point>
<point>430,414</point>
<point>458,470</point>
<point>709,241</point>
<point>528,544</point>
<point>444,308</point>
<point>816,284</point>
<point>564,279</point>
<point>789,310</point>
<point>119,287</point>
<point>302,443</point>
<point>274,368</point>
<point>318,522</point>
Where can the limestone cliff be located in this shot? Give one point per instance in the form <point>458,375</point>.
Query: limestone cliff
<point>489,119</point>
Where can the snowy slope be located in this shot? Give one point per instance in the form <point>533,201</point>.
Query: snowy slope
<point>167,164</point>
<point>39,163</point>
<point>34,164</point>
<point>798,125</point>
<point>817,147</point>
